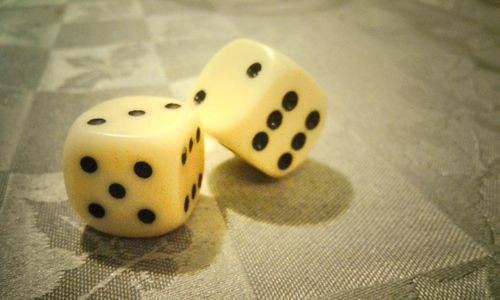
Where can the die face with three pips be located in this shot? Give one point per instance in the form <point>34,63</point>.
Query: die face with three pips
<point>261,105</point>
<point>133,166</point>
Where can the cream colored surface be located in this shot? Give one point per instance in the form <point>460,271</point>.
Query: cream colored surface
<point>158,137</point>
<point>236,106</point>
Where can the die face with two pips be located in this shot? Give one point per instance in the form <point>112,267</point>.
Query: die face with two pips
<point>133,166</point>
<point>261,105</point>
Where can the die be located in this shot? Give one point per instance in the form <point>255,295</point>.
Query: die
<point>133,166</point>
<point>261,105</point>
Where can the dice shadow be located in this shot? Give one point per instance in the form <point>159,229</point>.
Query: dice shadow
<point>188,249</point>
<point>312,194</point>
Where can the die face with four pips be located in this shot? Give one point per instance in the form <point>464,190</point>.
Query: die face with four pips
<point>261,105</point>
<point>133,166</point>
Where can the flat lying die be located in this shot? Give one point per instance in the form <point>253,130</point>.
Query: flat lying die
<point>261,105</point>
<point>133,166</point>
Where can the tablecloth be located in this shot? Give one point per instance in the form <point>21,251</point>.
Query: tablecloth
<point>398,199</point>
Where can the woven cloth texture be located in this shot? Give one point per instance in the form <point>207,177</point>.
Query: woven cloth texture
<point>400,198</point>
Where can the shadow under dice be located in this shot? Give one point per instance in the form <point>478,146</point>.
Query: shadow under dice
<point>261,105</point>
<point>133,166</point>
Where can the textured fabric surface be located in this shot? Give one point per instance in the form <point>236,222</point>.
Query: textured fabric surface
<point>400,196</point>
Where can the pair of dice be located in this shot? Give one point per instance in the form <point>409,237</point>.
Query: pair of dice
<point>133,166</point>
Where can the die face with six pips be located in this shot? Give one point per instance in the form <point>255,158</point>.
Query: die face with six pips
<point>133,166</point>
<point>261,105</point>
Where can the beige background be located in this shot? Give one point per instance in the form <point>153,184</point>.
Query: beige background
<point>400,197</point>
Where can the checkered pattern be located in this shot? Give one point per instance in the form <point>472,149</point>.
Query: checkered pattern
<point>400,198</point>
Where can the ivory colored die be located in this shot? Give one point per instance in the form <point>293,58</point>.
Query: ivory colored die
<point>261,105</point>
<point>133,166</point>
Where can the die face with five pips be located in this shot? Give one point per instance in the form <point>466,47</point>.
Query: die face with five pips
<point>261,105</point>
<point>133,166</point>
